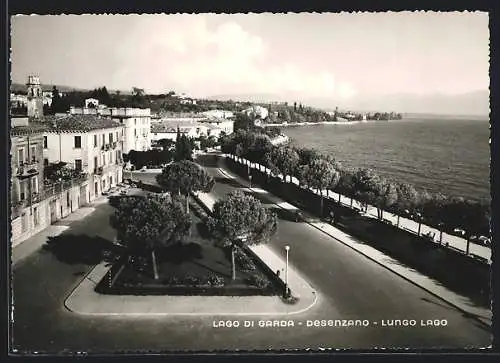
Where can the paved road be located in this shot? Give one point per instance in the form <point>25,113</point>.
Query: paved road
<point>351,287</point>
<point>455,242</point>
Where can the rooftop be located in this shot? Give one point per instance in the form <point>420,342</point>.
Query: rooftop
<point>70,123</point>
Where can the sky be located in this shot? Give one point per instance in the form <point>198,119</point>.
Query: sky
<point>335,56</point>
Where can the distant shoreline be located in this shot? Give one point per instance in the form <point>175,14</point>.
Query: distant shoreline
<point>324,123</point>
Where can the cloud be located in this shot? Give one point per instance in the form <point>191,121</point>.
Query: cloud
<point>189,55</point>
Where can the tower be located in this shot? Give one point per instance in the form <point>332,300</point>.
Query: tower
<point>35,97</point>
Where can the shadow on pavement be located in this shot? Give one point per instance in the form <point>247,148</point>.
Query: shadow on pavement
<point>202,230</point>
<point>81,249</point>
<point>227,181</point>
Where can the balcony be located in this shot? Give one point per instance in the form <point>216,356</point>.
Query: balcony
<point>27,169</point>
<point>17,208</point>
<point>99,171</point>
<point>36,197</point>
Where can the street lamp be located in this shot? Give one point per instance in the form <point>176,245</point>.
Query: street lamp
<point>419,217</point>
<point>287,248</point>
<point>440,225</point>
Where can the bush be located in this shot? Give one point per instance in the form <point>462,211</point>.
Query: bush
<point>190,280</point>
<point>244,262</point>
<point>171,280</point>
<point>257,281</point>
<point>216,280</point>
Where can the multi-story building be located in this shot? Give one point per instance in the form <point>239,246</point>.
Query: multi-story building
<point>88,143</point>
<point>136,123</point>
<point>27,185</point>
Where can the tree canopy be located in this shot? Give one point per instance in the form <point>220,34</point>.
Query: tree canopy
<point>242,215</point>
<point>151,222</point>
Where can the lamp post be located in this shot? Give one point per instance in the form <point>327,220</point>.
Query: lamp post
<point>440,233</point>
<point>419,217</point>
<point>287,248</point>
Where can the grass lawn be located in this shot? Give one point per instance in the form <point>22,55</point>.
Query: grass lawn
<point>194,267</point>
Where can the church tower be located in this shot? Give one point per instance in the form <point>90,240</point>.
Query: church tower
<point>35,97</point>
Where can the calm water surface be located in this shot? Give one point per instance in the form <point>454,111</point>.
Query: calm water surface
<point>447,155</point>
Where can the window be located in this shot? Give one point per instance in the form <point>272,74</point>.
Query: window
<point>45,162</point>
<point>116,135</point>
<point>104,159</point>
<point>20,157</point>
<point>135,121</point>
<point>95,163</point>
<point>22,191</point>
<point>45,142</point>
<point>110,137</point>
<point>67,199</point>
<point>103,139</point>
<point>35,216</point>
<point>78,164</point>
<point>34,185</point>
<point>111,158</point>
<point>78,142</point>
<point>135,132</point>
<point>33,153</point>
<point>95,140</point>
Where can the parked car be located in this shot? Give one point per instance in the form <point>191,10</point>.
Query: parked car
<point>481,240</point>
<point>459,231</point>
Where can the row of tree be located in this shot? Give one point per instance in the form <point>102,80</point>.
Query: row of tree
<point>323,173</point>
<point>146,224</point>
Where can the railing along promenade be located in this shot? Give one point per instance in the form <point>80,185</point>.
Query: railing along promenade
<point>453,242</point>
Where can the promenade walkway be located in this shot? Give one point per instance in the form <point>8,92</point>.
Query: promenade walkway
<point>461,302</point>
<point>453,242</point>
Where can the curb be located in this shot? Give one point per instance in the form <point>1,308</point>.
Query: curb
<point>78,284</point>
<point>468,314</point>
<point>465,312</point>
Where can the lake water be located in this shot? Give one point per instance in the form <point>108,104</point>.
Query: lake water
<point>448,155</point>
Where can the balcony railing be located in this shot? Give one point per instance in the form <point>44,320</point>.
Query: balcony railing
<point>28,168</point>
<point>17,208</point>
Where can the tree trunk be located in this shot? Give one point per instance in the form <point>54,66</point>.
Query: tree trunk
<point>187,203</point>
<point>327,195</point>
<point>381,214</point>
<point>419,226</point>
<point>440,236</point>
<point>467,247</point>
<point>233,265</point>
<point>155,266</point>
<point>351,201</point>
<point>398,221</point>
<point>339,198</point>
<point>321,204</point>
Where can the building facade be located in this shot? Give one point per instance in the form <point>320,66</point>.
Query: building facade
<point>136,123</point>
<point>89,144</point>
<point>27,186</point>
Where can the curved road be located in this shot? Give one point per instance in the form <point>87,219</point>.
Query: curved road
<point>350,287</point>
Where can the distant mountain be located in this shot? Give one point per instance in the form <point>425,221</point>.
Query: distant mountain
<point>19,87</point>
<point>473,103</point>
